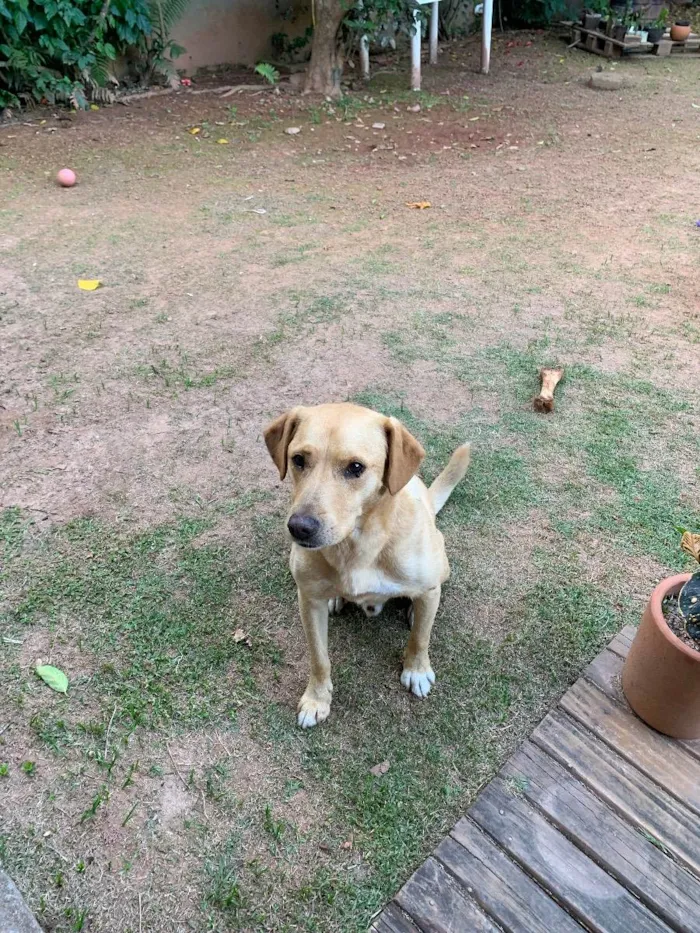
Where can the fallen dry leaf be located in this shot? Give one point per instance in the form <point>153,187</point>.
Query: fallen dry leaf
<point>89,285</point>
<point>223,142</point>
<point>380,769</point>
<point>194,130</point>
<point>419,205</point>
<point>240,636</point>
<point>348,844</point>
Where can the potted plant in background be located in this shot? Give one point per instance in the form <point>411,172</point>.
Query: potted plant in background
<point>593,14</point>
<point>621,22</point>
<point>657,28</point>
<point>680,30</point>
<point>619,31</point>
<point>661,675</point>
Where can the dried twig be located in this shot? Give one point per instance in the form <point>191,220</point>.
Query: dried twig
<point>246,87</point>
<point>175,766</point>
<point>218,739</point>
<point>109,729</point>
<point>140,914</point>
<point>213,90</point>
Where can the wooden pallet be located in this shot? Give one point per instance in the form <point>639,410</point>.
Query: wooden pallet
<point>596,42</point>
<point>667,47</point>
<point>600,44</point>
<point>594,824</point>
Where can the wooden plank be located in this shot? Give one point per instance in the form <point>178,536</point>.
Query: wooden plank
<point>622,786</point>
<point>666,888</point>
<point>622,642</point>
<point>606,673</point>
<point>496,883</point>
<point>663,760</point>
<point>588,892</point>
<point>438,905</point>
<point>393,920</point>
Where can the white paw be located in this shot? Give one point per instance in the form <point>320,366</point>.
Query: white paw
<point>418,682</point>
<point>313,710</point>
<point>335,605</point>
<point>372,610</point>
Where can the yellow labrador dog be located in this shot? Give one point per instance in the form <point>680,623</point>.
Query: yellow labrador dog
<point>363,529</point>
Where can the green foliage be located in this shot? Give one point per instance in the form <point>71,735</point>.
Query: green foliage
<point>268,72</point>
<point>372,18</point>
<point>285,48</point>
<point>62,50</point>
<point>538,12</point>
<point>159,48</point>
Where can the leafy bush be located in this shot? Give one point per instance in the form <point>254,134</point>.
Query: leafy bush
<point>158,48</point>
<point>63,50</point>
<point>539,12</point>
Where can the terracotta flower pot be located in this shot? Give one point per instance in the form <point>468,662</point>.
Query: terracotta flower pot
<point>661,676</point>
<point>680,32</point>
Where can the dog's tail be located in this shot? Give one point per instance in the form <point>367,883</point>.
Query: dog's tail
<point>441,489</point>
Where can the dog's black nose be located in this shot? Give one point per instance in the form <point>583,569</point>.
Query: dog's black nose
<point>303,527</point>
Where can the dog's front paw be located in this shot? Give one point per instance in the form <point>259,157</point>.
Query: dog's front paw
<point>419,682</point>
<point>314,706</point>
<point>335,605</point>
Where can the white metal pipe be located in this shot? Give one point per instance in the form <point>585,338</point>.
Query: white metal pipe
<point>434,34</point>
<point>415,51</point>
<point>364,57</point>
<point>486,37</point>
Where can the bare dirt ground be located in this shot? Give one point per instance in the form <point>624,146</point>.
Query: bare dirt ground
<point>245,270</point>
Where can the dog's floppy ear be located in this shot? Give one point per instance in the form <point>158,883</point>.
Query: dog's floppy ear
<point>278,436</point>
<point>403,456</point>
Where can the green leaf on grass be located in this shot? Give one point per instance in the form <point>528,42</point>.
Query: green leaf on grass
<point>56,679</point>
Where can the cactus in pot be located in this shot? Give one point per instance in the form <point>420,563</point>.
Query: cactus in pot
<point>689,596</point>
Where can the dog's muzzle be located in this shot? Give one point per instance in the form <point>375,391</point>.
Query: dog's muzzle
<point>304,529</point>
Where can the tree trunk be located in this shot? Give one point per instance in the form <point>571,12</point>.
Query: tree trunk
<point>326,65</point>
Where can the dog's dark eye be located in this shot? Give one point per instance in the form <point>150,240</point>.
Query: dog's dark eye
<point>298,461</point>
<point>354,469</point>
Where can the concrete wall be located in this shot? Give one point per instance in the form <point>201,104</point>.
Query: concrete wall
<point>237,32</point>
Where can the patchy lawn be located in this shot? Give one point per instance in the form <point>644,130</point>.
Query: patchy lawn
<point>142,522</point>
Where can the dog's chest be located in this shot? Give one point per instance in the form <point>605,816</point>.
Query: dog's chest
<point>377,584</point>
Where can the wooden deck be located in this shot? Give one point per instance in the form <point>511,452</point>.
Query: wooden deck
<point>594,824</point>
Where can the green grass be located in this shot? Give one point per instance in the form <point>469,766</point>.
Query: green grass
<point>559,530</point>
<point>162,603</point>
<point>155,609</point>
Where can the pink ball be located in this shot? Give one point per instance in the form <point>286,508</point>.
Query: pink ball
<point>66,178</point>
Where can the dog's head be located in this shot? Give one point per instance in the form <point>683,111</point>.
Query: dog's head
<point>342,459</point>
